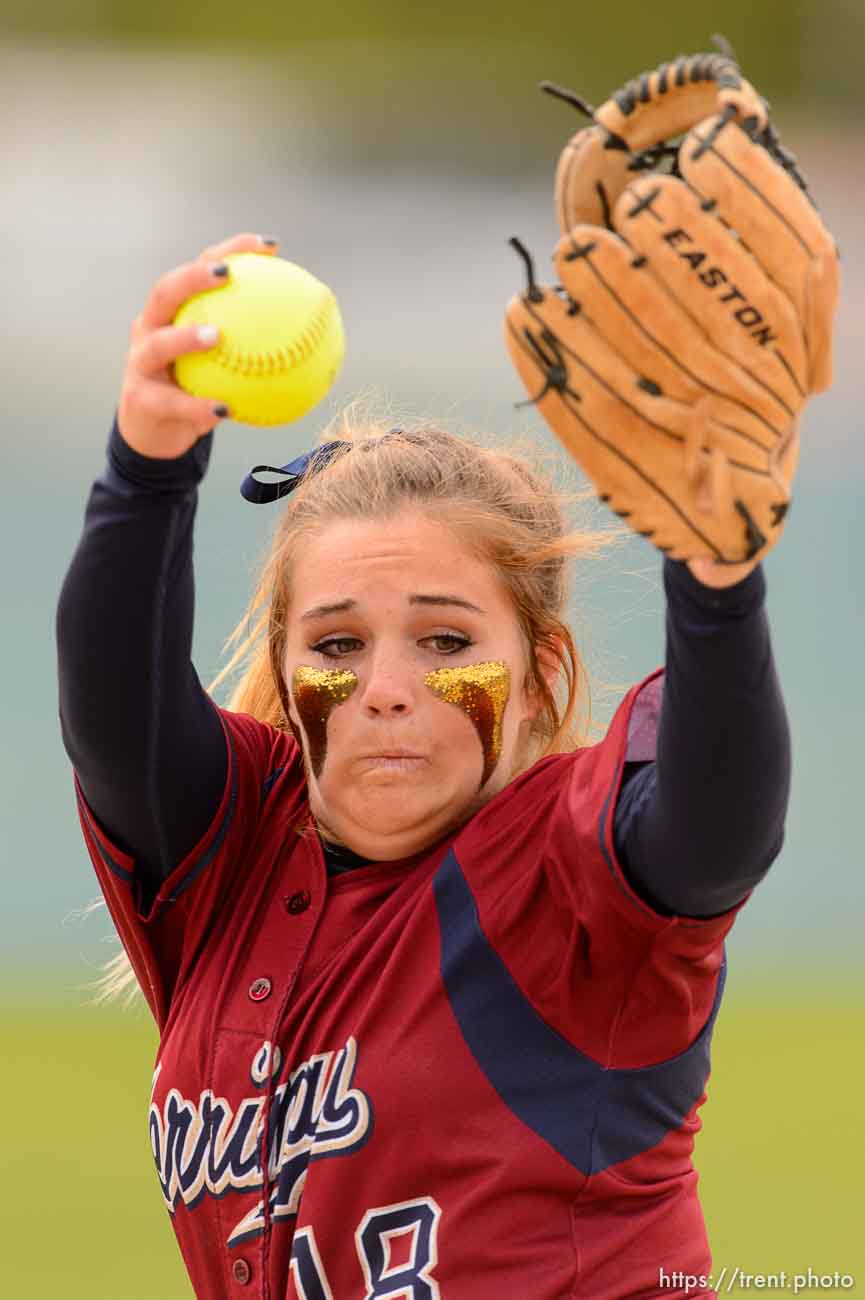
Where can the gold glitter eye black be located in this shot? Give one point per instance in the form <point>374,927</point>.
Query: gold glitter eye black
<point>481,691</point>
<point>317,691</point>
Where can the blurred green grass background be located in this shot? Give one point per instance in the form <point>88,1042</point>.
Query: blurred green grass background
<point>793,49</point>
<point>780,1185</point>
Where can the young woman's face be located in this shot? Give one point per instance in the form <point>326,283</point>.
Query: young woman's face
<point>407,680</point>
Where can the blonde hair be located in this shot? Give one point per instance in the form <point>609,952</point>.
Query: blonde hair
<point>502,505</point>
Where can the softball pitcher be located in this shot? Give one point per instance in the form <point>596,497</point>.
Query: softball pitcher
<point>435,978</point>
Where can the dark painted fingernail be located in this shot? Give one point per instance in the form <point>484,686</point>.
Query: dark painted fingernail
<point>220,270</point>
<point>221,411</point>
<point>269,241</point>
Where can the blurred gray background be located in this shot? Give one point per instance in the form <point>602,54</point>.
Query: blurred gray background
<point>120,163</point>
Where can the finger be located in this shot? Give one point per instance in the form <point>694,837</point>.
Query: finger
<point>158,349</point>
<point>169,405</point>
<point>244,243</point>
<point>172,290</point>
<point>721,286</point>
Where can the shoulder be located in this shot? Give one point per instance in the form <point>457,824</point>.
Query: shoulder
<point>261,752</point>
<point>643,718</point>
<point>630,737</point>
<point>558,810</point>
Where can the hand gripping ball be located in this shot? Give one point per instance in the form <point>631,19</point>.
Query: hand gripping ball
<point>281,341</point>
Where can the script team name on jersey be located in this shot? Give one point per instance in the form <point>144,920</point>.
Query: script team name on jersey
<point>211,1147</point>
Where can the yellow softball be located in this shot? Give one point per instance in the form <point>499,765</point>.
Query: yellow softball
<point>281,341</point>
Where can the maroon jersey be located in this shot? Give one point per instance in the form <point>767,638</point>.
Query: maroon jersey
<point>471,1074</point>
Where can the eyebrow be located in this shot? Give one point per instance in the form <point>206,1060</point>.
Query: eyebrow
<point>340,606</point>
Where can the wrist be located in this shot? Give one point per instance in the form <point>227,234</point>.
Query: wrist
<point>148,448</point>
<point>711,574</point>
<point>155,474</point>
<point>685,591</point>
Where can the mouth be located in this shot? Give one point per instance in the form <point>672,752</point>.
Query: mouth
<point>403,760</point>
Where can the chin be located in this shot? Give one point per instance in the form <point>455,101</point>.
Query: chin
<point>386,812</point>
<point>388,822</point>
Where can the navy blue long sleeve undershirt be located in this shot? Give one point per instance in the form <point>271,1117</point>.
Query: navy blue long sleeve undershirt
<point>695,829</point>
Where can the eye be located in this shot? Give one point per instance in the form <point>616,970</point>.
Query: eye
<point>322,647</point>
<point>337,646</point>
<point>462,642</point>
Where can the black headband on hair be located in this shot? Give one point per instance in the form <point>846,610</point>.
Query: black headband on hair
<point>263,493</point>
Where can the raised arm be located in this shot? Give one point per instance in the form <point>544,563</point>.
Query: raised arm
<point>142,734</point>
<point>700,825</point>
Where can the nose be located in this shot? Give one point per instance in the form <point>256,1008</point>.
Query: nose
<point>388,688</point>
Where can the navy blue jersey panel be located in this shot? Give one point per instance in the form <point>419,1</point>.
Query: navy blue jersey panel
<point>593,1116</point>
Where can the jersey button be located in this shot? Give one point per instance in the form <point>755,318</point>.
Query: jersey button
<point>259,990</point>
<point>299,902</point>
<point>241,1272</point>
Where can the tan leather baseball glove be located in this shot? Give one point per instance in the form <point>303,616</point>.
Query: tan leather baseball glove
<point>693,317</point>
